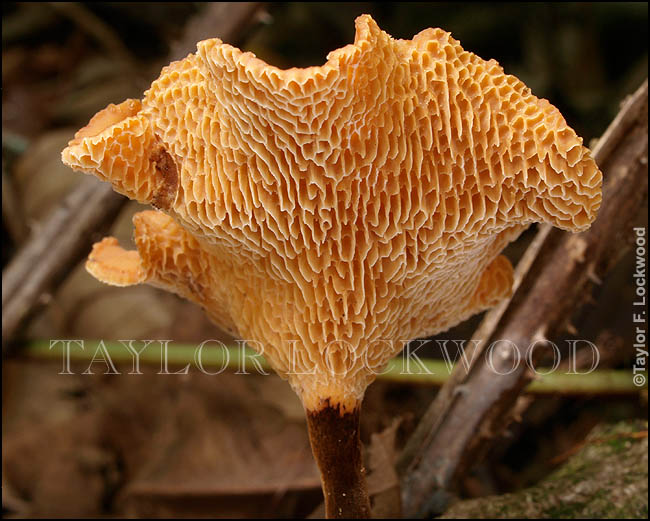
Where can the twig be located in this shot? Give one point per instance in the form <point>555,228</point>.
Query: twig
<point>103,33</point>
<point>561,458</point>
<point>226,20</point>
<point>29,19</point>
<point>12,213</point>
<point>244,360</point>
<point>458,425</point>
<point>46,258</point>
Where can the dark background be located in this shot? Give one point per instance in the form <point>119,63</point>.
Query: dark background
<point>116,445</point>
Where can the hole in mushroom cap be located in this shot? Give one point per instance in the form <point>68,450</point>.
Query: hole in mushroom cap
<point>107,118</point>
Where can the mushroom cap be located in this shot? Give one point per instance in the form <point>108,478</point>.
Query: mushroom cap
<point>329,214</point>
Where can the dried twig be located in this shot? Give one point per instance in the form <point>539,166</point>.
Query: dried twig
<point>47,257</point>
<point>12,212</point>
<point>558,272</point>
<point>561,458</point>
<point>226,20</point>
<point>90,23</point>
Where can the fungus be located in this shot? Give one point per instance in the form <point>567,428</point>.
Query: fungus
<point>332,213</point>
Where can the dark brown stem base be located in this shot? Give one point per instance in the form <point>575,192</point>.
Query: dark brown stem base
<point>336,446</point>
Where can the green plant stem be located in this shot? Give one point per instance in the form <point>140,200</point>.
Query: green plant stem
<point>219,357</point>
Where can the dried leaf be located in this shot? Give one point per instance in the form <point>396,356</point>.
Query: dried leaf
<point>383,482</point>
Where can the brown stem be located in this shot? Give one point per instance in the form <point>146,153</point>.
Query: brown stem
<point>336,445</point>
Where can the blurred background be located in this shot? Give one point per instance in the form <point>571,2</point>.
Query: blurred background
<point>194,445</point>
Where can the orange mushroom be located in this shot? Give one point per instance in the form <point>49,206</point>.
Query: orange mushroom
<point>333,213</point>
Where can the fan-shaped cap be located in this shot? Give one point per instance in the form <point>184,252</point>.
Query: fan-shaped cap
<point>331,213</point>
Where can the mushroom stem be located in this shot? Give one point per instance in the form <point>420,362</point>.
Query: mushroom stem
<point>335,442</point>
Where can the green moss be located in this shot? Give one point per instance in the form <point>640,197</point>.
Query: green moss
<point>618,444</point>
<point>608,478</point>
<point>564,511</point>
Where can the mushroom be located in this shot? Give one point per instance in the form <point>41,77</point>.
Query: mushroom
<point>332,213</point>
